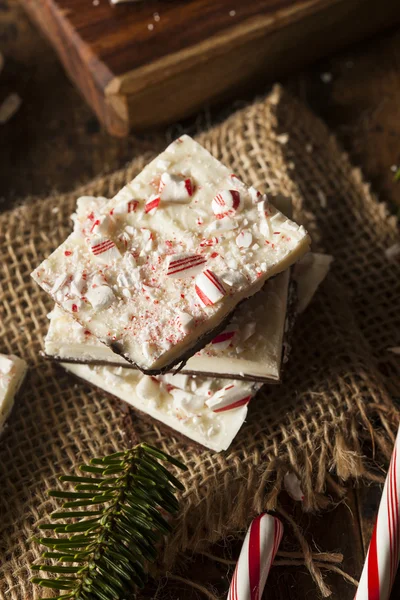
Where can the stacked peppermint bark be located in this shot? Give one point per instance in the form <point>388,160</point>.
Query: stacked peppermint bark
<point>176,294</point>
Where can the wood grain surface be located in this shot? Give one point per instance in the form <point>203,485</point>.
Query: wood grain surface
<point>54,142</point>
<point>149,63</point>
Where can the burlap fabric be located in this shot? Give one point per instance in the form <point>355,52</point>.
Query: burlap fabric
<point>336,391</point>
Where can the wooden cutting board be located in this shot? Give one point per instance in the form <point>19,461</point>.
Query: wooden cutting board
<point>148,63</point>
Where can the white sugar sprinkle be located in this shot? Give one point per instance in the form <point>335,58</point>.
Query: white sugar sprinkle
<point>96,2</point>
<point>232,13</point>
<point>394,168</point>
<point>156,16</point>
<point>150,26</point>
<point>309,148</point>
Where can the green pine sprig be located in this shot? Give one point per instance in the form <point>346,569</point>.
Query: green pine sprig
<point>117,517</point>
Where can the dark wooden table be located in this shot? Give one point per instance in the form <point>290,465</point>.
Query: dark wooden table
<point>55,142</point>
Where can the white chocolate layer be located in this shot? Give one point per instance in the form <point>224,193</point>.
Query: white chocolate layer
<point>12,373</point>
<point>125,250</point>
<point>178,401</point>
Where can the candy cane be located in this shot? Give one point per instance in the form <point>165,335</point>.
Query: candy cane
<point>258,552</point>
<point>223,340</point>
<point>152,204</point>
<point>384,550</point>
<point>185,265</point>
<point>104,248</point>
<point>229,397</point>
<point>209,288</point>
<point>225,201</point>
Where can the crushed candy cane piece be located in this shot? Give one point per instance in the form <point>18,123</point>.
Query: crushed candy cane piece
<point>209,288</point>
<point>101,225</point>
<point>126,207</point>
<point>185,265</point>
<point>234,278</point>
<point>238,183</point>
<point>223,224</point>
<point>293,486</point>
<point>59,283</point>
<point>225,201</point>
<point>147,388</point>
<point>255,195</point>
<point>72,305</point>
<point>244,239</point>
<point>173,188</point>
<point>152,204</point>
<point>229,397</point>
<point>224,339</point>
<point>104,249</point>
<point>100,297</point>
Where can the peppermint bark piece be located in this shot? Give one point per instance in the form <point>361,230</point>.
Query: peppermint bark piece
<point>179,402</point>
<point>186,210</point>
<point>250,348</point>
<point>12,372</point>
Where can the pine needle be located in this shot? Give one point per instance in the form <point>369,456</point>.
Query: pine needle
<point>102,555</point>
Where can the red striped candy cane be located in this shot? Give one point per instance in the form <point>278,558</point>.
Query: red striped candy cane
<point>258,552</point>
<point>185,265</point>
<point>384,549</point>
<point>209,288</point>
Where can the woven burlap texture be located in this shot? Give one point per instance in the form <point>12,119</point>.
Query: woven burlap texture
<point>336,390</point>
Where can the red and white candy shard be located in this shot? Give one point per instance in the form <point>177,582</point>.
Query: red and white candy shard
<point>72,305</point>
<point>244,239</point>
<point>209,288</point>
<point>229,397</point>
<point>238,183</point>
<point>104,249</point>
<point>174,188</point>
<point>101,225</point>
<point>152,204</point>
<point>224,340</point>
<point>126,207</point>
<point>185,265</point>
<point>256,557</point>
<point>225,201</point>
<point>255,195</point>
